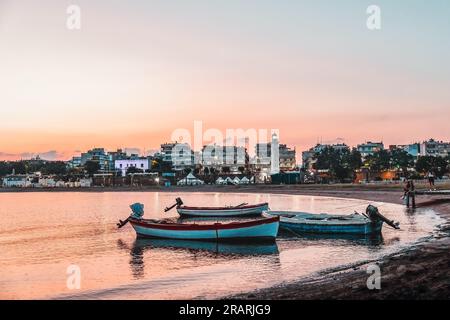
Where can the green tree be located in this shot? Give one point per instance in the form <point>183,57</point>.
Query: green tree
<point>92,167</point>
<point>335,161</point>
<point>438,165</point>
<point>5,168</point>
<point>380,160</point>
<point>54,167</point>
<point>354,159</point>
<point>19,167</point>
<point>402,160</point>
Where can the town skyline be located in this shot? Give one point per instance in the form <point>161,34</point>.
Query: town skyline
<point>133,73</point>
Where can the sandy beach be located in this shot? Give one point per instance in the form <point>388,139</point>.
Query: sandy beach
<point>418,272</point>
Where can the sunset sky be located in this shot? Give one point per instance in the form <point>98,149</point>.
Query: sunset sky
<point>138,70</point>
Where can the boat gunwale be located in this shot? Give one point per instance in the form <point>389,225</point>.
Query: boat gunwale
<point>199,227</point>
<point>252,206</point>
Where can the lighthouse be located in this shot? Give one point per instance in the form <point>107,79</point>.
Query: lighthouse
<point>275,155</point>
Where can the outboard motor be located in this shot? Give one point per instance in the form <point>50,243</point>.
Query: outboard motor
<point>178,203</point>
<point>375,215</point>
<point>138,210</point>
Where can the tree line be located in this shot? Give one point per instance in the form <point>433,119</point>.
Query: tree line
<point>341,164</point>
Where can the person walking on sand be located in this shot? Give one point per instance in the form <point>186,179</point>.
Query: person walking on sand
<point>408,193</point>
<point>430,177</point>
<point>409,186</point>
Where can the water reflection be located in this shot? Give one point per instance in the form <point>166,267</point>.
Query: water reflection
<point>79,228</point>
<point>209,249</point>
<point>372,240</point>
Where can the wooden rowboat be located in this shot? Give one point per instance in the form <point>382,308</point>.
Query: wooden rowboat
<point>261,229</point>
<point>242,210</point>
<point>362,224</point>
<point>236,211</point>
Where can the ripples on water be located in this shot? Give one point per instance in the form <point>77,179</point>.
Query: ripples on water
<point>43,233</point>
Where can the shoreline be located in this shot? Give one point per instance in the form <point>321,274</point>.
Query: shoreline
<point>420,271</point>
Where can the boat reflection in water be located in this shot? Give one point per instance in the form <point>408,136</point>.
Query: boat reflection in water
<point>206,249</point>
<point>371,240</point>
<point>222,248</point>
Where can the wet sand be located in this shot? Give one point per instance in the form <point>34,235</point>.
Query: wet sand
<point>420,272</point>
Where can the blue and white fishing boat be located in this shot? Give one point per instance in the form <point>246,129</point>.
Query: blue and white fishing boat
<point>358,223</point>
<point>241,210</point>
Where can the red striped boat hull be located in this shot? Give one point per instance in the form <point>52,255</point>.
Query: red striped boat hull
<point>261,229</point>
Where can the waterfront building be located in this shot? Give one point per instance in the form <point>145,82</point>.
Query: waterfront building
<point>286,157</point>
<point>178,156</point>
<point>46,182</point>
<point>17,181</point>
<point>119,154</point>
<point>412,149</point>
<point>123,165</point>
<point>99,155</point>
<point>75,162</point>
<point>219,157</point>
<point>369,148</point>
<point>435,148</point>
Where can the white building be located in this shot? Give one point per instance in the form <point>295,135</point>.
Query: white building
<point>138,163</point>
<point>219,157</point>
<point>435,148</point>
<point>85,183</point>
<point>16,181</point>
<point>47,182</point>
<point>369,148</point>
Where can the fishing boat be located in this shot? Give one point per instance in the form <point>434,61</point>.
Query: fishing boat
<point>265,228</point>
<point>370,222</point>
<point>241,210</point>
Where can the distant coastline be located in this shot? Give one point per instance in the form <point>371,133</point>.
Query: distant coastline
<point>307,189</point>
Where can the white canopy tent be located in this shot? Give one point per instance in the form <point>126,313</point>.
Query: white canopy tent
<point>220,180</point>
<point>228,180</point>
<point>245,180</point>
<point>236,180</point>
<point>190,180</point>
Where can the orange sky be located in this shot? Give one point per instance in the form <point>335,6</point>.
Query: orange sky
<point>135,72</point>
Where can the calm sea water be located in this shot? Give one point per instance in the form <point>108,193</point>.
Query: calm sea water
<point>42,234</point>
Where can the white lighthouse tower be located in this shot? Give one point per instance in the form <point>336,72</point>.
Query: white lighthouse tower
<point>275,155</point>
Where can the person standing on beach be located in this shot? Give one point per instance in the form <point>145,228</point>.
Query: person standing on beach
<point>430,177</point>
<point>409,186</point>
<point>409,193</point>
